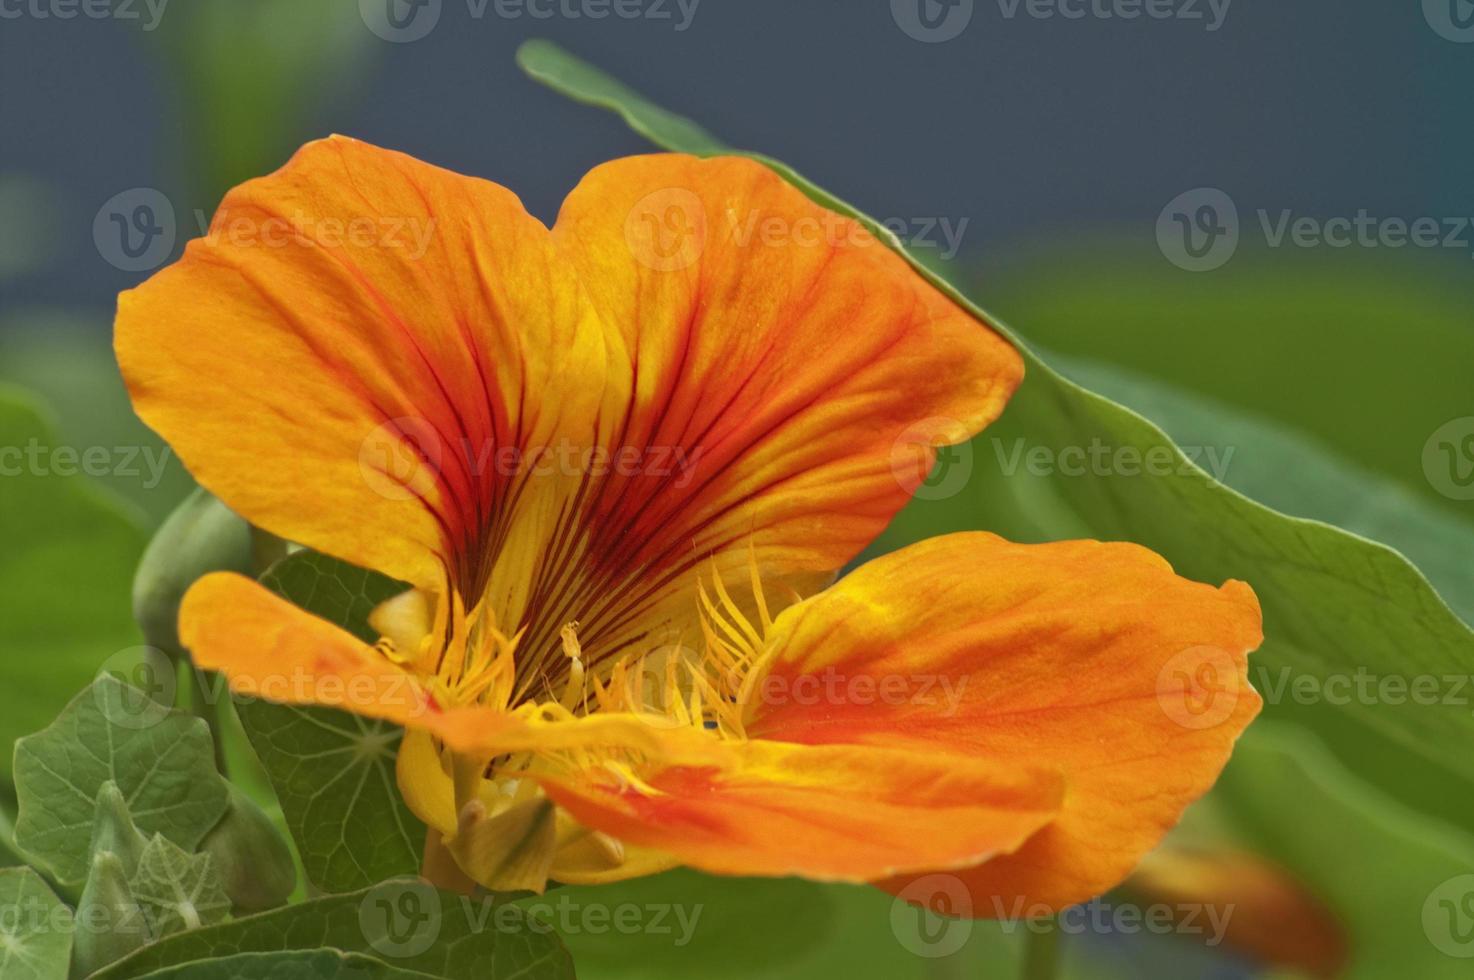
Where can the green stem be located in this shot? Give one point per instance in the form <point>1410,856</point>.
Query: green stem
<point>204,702</point>
<point>266,550</point>
<point>1041,952</point>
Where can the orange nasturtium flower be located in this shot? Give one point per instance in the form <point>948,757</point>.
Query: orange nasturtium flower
<point>643,442</point>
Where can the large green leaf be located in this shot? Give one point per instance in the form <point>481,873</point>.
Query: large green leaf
<point>1333,601</point>
<point>403,921</point>
<point>660,926</point>
<point>160,759</point>
<point>1402,885</point>
<point>67,559</point>
<point>334,772</point>
<point>35,928</point>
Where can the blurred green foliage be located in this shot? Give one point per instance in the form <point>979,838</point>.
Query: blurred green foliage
<point>1360,352</point>
<point>254,76</point>
<point>68,557</point>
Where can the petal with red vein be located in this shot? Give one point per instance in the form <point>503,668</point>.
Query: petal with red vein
<point>786,376</point>
<point>344,355</point>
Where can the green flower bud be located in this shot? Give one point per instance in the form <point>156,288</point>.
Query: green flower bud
<point>252,858</point>
<point>108,924</point>
<point>201,536</point>
<point>113,829</point>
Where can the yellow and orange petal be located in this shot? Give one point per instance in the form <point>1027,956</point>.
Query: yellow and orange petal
<point>351,330</point>
<point>1275,919</point>
<point>833,812</point>
<point>1093,659</point>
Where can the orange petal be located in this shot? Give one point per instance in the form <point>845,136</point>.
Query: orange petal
<point>790,373</point>
<point>1268,914</point>
<point>851,813</point>
<point>1091,658</point>
<point>345,354</point>
<point>268,648</point>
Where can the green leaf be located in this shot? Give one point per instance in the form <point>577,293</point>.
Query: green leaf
<point>334,772</point>
<point>35,928</point>
<point>64,571</point>
<point>324,964</point>
<point>1333,601</point>
<point>160,759</point>
<point>661,925</point>
<point>403,921</point>
<point>177,890</point>
<point>1407,896</point>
